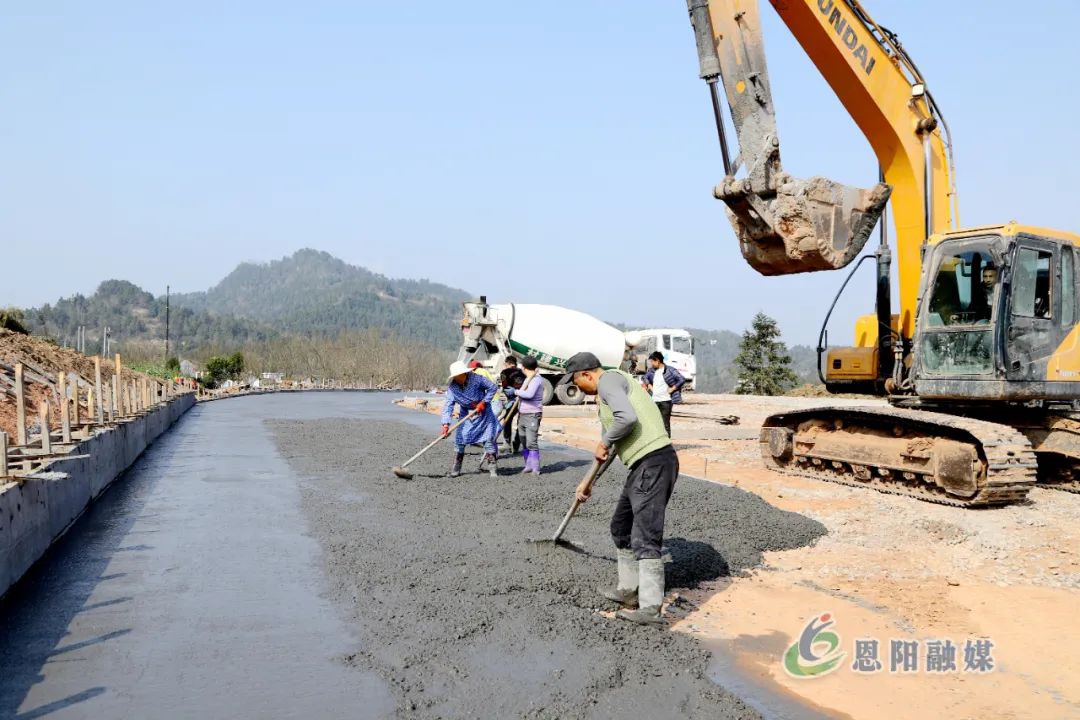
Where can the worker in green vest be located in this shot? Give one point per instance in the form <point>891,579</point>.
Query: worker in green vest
<point>634,431</point>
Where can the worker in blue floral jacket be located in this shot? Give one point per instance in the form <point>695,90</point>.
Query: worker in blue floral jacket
<point>471,393</point>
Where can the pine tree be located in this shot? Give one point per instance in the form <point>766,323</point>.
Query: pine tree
<point>763,362</point>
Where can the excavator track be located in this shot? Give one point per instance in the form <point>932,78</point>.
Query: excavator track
<point>946,459</point>
<point>1055,438</point>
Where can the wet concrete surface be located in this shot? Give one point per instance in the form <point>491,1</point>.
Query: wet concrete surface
<point>463,617</point>
<point>224,578</point>
<point>190,589</point>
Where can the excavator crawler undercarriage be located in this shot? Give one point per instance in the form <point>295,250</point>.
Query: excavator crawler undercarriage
<point>1055,438</point>
<point>932,456</point>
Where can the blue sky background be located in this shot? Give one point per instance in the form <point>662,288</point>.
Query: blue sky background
<point>165,143</point>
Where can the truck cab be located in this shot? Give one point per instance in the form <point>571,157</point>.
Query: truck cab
<point>676,345</point>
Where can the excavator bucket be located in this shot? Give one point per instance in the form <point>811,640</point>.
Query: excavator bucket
<point>784,225</point>
<point>805,225</point>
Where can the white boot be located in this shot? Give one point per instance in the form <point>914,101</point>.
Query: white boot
<point>650,594</point>
<point>626,592</point>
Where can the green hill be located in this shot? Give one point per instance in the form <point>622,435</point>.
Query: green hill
<point>134,315</point>
<point>313,292</point>
<point>310,294</point>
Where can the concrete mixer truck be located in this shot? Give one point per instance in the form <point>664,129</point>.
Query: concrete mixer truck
<point>549,333</point>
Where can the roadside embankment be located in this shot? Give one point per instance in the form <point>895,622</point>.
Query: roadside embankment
<point>36,509</point>
<point>69,425</point>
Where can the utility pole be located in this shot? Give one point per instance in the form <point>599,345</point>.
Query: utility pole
<point>166,323</point>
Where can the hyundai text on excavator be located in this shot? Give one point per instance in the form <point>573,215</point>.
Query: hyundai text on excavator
<point>981,363</point>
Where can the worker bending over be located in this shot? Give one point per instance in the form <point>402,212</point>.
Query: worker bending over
<point>471,393</point>
<point>634,430</point>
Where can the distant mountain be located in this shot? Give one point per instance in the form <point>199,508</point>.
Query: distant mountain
<point>317,293</point>
<point>132,314</point>
<point>313,293</point>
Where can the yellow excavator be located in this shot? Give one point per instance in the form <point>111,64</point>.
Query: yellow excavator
<point>981,363</point>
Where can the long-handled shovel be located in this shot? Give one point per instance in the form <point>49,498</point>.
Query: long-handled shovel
<point>400,470</point>
<point>509,412</point>
<point>504,417</point>
<point>595,471</point>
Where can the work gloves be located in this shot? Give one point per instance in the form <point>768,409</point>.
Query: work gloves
<point>480,407</point>
<point>445,429</point>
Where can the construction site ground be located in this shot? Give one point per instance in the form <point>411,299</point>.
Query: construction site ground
<point>889,568</point>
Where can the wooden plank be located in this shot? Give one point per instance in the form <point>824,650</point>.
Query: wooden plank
<point>75,397</point>
<point>114,399</point>
<point>20,406</point>
<point>97,384</point>
<point>43,414</point>
<point>3,454</point>
<point>65,414</point>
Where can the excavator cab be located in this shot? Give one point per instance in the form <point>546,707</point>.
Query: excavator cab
<point>996,318</point>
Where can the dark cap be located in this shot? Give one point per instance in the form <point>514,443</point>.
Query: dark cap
<point>577,363</point>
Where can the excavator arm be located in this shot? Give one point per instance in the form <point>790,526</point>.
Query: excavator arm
<point>783,224</point>
<point>787,226</point>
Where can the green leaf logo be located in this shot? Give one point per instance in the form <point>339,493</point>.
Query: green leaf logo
<point>816,652</point>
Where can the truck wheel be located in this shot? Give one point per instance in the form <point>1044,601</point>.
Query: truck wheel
<point>569,394</point>
<point>549,391</point>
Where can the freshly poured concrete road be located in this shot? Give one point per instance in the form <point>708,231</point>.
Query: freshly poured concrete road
<point>219,580</point>
<point>190,589</point>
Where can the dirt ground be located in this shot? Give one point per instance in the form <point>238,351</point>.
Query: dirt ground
<point>43,362</point>
<point>889,568</point>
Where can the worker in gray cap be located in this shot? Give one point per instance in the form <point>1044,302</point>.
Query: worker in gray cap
<point>633,430</point>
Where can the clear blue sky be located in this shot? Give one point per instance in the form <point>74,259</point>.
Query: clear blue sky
<point>164,143</point>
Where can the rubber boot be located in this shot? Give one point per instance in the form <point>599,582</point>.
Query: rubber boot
<point>456,470</point>
<point>535,460</point>
<point>626,591</point>
<point>650,594</point>
<point>492,466</point>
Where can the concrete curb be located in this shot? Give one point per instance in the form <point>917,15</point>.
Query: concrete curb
<point>38,509</point>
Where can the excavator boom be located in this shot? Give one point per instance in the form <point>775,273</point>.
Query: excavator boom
<point>783,224</point>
